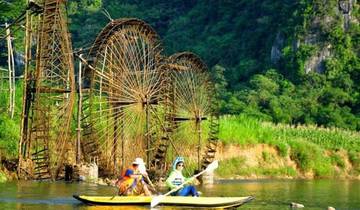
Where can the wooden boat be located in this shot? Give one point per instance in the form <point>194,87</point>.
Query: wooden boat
<point>204,202</point>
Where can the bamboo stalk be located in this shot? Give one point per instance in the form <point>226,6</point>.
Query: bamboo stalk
<point>78,139</point>
<point>23,124</point>
<point>10,72</point>
<point>13,79</point>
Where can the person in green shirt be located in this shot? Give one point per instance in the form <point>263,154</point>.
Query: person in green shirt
<point>176,178</point>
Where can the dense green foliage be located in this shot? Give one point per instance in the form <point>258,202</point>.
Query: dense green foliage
<point>238,37</point>
<point>9,12</point>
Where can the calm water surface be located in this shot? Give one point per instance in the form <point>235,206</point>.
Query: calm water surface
<point>270,194</point>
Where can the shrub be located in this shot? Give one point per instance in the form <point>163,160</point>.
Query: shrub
<point>354,157</point>
<point>309,156</point>
<point>230,167</point>
<point>337,160</point>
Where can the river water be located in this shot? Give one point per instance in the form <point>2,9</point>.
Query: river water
<point>269,194</point>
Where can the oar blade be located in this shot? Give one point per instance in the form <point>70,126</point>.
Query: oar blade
<point>156,200</point>
<point>212,166</point>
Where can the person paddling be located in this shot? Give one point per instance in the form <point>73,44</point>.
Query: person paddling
<point>132,181</point>
<point>176,178</point>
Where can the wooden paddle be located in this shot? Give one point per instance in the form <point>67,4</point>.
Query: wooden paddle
<point>156,200</point>
<point>117,190</point>
<point>150,183</point>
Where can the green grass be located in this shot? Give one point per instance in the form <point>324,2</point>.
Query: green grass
<point>310,156</point>
<point>306,144</point>
<point>242,130</point>
<point>230,167</point>
<point>245,130</point>
<point>354,158</point>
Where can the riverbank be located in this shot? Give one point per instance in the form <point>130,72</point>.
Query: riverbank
<point>252,148</point>
<point>263,161</point>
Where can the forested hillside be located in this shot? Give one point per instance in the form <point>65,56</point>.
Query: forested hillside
<point>286,61</point>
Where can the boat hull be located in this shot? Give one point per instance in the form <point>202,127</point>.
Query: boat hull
<point>199,202</point>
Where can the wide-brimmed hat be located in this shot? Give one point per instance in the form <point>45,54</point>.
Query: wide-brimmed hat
<point>138,161</point>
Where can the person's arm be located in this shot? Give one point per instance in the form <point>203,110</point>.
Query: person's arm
<point>132,174</point>
<point>129,173</point>
<point>170,179</point>
<point>193,181</point>
<point>190,180</point>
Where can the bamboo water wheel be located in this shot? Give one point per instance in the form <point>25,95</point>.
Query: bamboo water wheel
<point>121,114</point>
<point>191,114</point>
<point>194,110</point>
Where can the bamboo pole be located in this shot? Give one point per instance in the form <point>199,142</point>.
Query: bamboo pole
<point>11,72</point>
<point>78,139</point>
<point>13,80</point>
<point>198,130</point>
<point>9,67</point>
<point>27,59</point>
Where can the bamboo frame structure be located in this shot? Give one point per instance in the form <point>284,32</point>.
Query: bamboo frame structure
<point>49,94</point>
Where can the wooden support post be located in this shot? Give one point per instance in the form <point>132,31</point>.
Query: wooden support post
<point>198,129</point>
<point>115,140</point>
<point>122,136</point>
<point>147,132</point>
<point>198,125</point>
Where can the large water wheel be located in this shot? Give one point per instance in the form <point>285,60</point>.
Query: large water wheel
<point>48,95</point>
<point>192,112</point>
<point>124,85</point>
